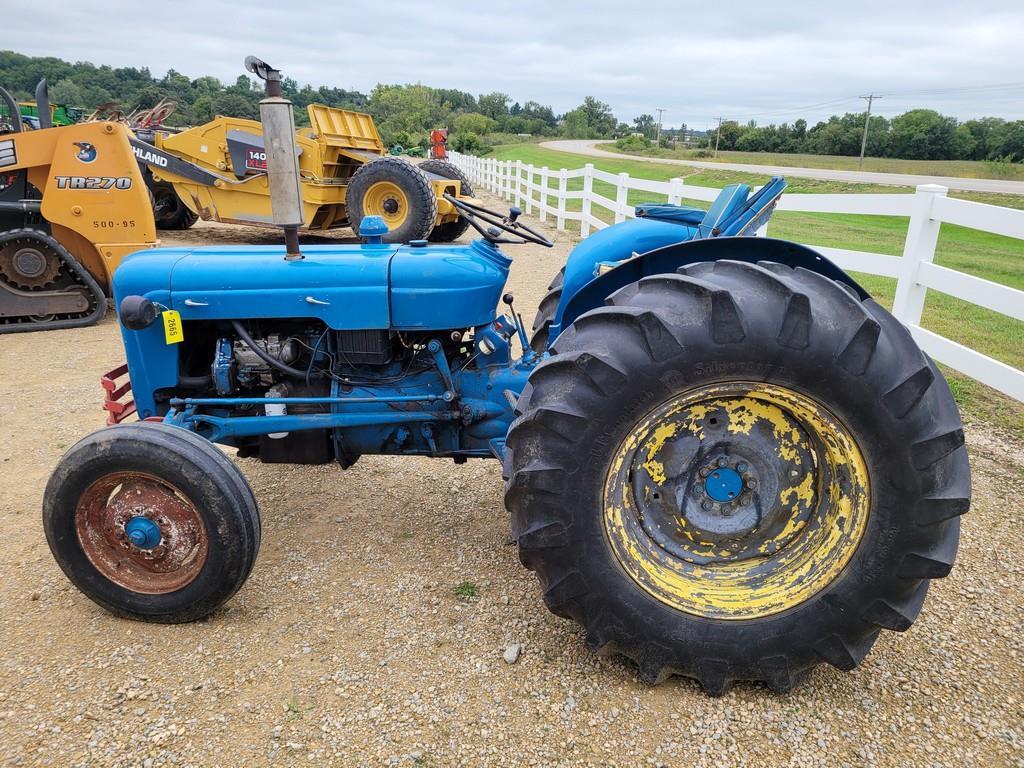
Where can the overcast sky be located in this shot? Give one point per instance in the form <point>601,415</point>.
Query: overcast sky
<point>769,61</point>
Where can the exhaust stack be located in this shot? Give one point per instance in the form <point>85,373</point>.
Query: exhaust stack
<point>282,156</point>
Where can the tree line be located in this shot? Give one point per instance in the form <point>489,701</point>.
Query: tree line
<point>405,114</point>
<point>919,134</point>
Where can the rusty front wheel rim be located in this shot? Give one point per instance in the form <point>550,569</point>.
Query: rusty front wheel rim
<point>158,567</point>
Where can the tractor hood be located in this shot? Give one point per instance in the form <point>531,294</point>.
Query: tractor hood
<point>348,287</point>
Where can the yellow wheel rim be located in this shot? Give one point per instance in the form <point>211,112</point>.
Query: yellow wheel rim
<point>386,199</point>
<point>736,501</point>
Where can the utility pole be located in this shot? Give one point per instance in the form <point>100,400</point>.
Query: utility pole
<point>718,135</point>
<point>867,117</point>
<point>657,140</point>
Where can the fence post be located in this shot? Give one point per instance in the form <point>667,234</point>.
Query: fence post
<point>588,190</point>
<point>563,180</point>
<point>529,188</point>
<point>544,193</point>
<point>621,195</point>
<point>922,236</point>
<point>675,197</point>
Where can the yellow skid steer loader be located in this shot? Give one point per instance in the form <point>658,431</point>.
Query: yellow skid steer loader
<point>73,204</point>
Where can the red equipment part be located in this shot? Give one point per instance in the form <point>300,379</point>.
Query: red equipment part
<point>118,410</point>
<point>439,144</point>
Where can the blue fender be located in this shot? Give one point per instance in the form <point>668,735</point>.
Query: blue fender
<point>670,257</point>
<point>614,244</point>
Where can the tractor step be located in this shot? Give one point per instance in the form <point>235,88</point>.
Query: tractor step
<point>117,409</point>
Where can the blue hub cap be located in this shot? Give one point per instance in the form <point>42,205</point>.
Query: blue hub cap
<point>142,532</point>
<point>723,484</point>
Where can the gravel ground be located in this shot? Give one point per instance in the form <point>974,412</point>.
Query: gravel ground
<point>349,645</point>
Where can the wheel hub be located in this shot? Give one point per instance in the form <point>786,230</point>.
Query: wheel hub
<point>28,264</point>
<point>141,532</point>
<point>723,485</point>
<point>387,200</point>
<point>733,499</point>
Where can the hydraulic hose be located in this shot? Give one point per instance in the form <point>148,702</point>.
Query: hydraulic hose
<point>263,355</point>
<point>195,382</point>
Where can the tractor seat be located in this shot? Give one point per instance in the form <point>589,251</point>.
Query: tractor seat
<point>708,223</point>
<point>734,212</point>
<point>675,214</point>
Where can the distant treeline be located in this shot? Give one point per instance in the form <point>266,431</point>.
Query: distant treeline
<point>920,134</point>
<point>406,113</point>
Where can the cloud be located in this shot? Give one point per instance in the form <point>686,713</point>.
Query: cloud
<point>766,61</point>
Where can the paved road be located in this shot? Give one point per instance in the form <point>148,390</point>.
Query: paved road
<point>588,147</point>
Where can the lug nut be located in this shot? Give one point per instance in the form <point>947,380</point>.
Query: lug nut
<point>706,506</point>
<point>704,472</point>
<point>751,482</point>
<point>722,462</point>
<point>741,467</point>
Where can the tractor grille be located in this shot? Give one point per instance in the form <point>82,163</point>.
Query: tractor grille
<point>372,347</point>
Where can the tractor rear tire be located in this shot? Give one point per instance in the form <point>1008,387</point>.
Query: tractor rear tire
<point>189,504</point>
<point>399,192</point>
<point>449,231</point>
<point>171,213</point>
<point>737,472</point>
<point>546,313</point>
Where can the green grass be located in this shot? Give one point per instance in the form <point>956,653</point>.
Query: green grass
<point>467,590</point>
<point>986,255</point>
<point>970,169</point>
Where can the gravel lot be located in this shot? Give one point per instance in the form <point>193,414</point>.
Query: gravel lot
<point>349,645</point>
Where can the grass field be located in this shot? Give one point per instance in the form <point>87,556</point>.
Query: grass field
<point>969,169</point>
<point>986,255</point>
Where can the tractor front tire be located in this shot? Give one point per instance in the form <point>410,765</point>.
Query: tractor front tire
<point>449,231</point>
<point>737,472</point>
<point>151,522</point>
<point>171,213</point>
<point>399,192</point>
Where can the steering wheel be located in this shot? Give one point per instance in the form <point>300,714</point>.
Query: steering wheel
<point>479,218</point>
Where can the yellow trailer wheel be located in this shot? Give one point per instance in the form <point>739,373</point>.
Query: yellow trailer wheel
<point>399,192</point>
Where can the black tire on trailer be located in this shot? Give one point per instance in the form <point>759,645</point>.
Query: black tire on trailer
<point>398,191</point>
<point>170,212</point>
<point>449,231</point>
<point>737,472</point>
<point>151,522</point>
<point>546,313</point>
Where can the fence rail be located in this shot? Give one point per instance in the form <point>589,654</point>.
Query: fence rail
<point>544,192</point>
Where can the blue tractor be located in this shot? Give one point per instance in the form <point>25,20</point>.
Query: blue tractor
<point>721,457</point>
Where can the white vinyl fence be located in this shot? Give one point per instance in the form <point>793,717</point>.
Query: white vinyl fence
<point>543,192</point>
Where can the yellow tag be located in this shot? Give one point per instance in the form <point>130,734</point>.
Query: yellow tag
<point>173,332</point>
